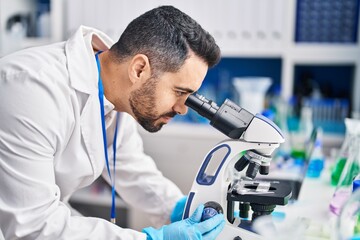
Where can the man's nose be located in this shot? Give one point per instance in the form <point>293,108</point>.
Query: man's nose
<point>180,108</point>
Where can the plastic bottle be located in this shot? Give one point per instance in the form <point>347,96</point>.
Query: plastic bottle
<point>283,153</point>
<point>306,122</point>
<point>317,158</point>
<point>43,20</point>
<point>282,114</point>
<point>350,171</point>
<point>251,91</point>
<point>348,223</point>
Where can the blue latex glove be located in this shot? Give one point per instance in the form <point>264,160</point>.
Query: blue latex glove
<point>178,211</point>
<point>189,229</point>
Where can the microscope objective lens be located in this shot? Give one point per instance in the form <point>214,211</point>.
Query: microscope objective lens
<point>252,170</point>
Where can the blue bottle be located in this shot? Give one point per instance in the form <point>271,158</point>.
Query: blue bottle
<point>316,160</point>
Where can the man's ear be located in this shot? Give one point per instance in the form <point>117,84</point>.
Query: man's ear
<point>139,68</point>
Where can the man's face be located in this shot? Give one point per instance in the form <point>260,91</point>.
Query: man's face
<point>160,99</point>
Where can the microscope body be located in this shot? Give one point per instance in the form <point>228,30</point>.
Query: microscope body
<point>222,184</point>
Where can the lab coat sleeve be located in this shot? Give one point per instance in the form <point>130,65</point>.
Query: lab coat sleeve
<point>34,125</point>
<point>138,181</point>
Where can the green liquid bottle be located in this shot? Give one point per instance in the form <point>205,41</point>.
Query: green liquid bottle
<point>350,170</point>
<point>337,170</point>
<point>352,126</point>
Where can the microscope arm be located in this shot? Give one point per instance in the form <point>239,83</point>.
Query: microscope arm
<point>218,184</point>
<point>263,130</point>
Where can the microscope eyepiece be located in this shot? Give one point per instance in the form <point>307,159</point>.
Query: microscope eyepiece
<point>202,105</point>
<point>229,118</point>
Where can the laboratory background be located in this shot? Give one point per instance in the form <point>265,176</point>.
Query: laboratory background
<point>297,62</point>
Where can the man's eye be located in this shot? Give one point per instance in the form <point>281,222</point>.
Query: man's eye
<point>179,93</point>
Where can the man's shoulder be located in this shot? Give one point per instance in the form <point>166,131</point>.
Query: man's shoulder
<point>34,59</point>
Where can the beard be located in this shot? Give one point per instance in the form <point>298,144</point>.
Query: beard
<point>143,104</point>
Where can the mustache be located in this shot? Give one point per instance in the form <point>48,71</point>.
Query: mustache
<point>169,114</point>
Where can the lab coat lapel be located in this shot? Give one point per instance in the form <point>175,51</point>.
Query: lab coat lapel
<point>84,78</point>
<point>92,133</point>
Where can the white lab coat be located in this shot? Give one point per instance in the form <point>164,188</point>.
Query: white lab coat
<point>51,145</point>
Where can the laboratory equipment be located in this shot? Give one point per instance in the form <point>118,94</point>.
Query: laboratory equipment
<point>351,131</point>
<point>252,92</point>
<point>349,172</point>
<point>306,125</point>
<point>281,108</point>
<point>348,223</point>
<point>316,157</point>
<point>15,24</point>
<point>220,183</point>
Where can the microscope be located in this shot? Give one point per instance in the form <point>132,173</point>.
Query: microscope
<point>225,180</point>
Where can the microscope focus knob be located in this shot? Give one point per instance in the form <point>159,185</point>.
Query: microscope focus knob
<point>211,209</point>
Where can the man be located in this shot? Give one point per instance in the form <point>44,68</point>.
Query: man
<point>59,118</point>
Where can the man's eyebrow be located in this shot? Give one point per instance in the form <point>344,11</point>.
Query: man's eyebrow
<point>188,90</point>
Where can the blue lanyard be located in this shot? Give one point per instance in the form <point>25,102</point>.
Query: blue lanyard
<point>102,110</point>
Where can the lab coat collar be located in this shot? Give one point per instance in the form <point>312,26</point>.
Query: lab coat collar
<point>83,74</point>
<point>108,106</point>
<point>80,52</point>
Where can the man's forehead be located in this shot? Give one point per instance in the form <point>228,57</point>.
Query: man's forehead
<point>194,70</point>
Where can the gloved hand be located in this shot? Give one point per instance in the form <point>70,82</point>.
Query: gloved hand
<point>189,229</point>
<point>178,211</point>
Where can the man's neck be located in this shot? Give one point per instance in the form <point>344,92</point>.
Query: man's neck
<point>111,75</point>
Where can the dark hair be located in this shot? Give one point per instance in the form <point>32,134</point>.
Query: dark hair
<point>165,35</point>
